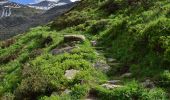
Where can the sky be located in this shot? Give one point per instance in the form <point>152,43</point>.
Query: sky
<point>31,1</point>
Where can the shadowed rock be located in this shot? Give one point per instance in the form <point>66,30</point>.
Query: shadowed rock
<point>126,75</point>
<point>102,65</point>
<point>71,38</point>
<point>148,84</point>
<point>62,50</point>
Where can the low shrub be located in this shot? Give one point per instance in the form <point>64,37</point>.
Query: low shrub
<point>79,91</point>
<point>98,27</point>
<point>132,91</point>
<point>164,79</point>
<point>32,85</point>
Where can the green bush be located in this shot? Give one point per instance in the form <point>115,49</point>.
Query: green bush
<point>131,91</point>
<point>98,27</point>
<point>164,79</point>
<point>32,85</point>
<point>79,91</point>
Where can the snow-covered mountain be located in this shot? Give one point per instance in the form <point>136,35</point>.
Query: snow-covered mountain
<point>6,7</point>
<point>46,4</point>
<point>19,18</point>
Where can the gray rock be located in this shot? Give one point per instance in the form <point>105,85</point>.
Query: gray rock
<point>114,82</point>
<point>126,75</point>
<point>102,65</point>
<point>111,60</point>
<point>70,74</point>
<point>62,50</point>
<point>71,38</point>
<point>111,86</point>
<point>148,84</point>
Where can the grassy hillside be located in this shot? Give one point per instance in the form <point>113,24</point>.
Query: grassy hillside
<point>130,37</point>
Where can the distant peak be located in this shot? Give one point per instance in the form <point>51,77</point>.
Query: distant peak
<point>48,4</point>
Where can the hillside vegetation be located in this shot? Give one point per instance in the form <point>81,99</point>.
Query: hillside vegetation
<point>125,54</point>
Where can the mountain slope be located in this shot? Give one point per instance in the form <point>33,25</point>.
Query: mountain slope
<point>15,18</point>
<point>24,18</point>
<point>108,50</point>
<point>7,7</point>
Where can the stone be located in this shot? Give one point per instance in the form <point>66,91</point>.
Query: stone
<point>114,82</point>
<point>111,60</point>
<point>67,91</point>
<point>111,86</point>
<point>70,74</point>
<point>126,75</point>
<point>71,38</point>
<point>102,65</point>
<point>62,50</point>
<point>148,84</point>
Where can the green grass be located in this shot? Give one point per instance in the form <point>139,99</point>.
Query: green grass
<point>135,34</point>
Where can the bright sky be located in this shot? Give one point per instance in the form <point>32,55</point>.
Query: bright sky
<point>32,1</point>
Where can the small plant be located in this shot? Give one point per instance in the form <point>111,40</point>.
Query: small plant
<point>79,91</point>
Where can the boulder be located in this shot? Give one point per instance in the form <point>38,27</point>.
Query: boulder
<point>71,38</point>
<point>70,74</point>
<point>111,86</point>
<point>62,50</point>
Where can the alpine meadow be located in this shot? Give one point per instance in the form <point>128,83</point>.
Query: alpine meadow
<point>95,50</point>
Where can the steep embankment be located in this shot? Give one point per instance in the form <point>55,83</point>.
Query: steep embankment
<point>132,38</point>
